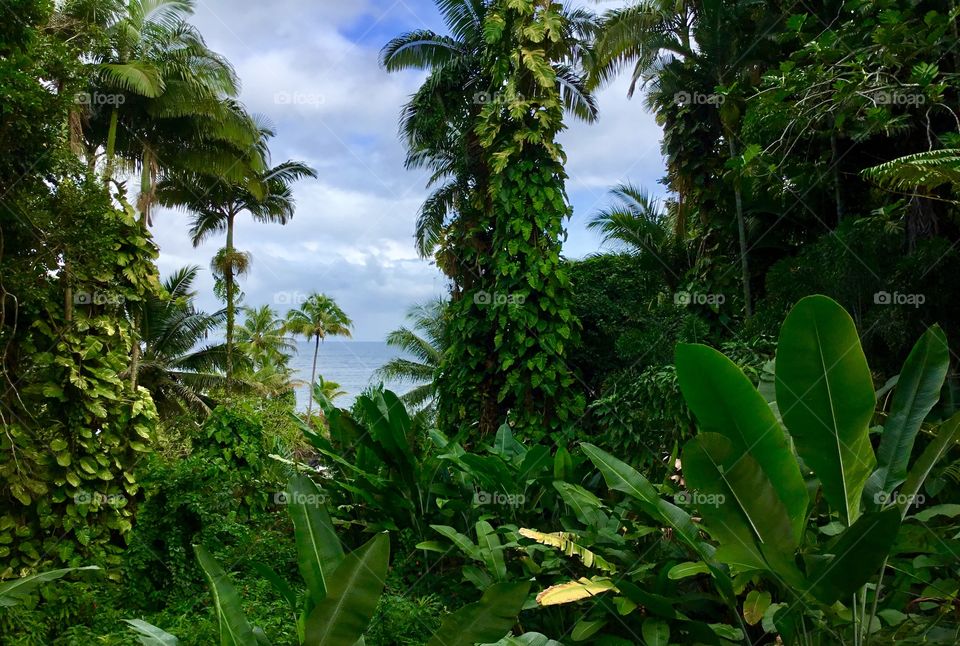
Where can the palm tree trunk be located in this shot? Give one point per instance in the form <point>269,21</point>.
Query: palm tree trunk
<point>231,313</point>
<point>111,144</point>
<point>742,232</point>
<point>146,187</point>
<point>313,380</point>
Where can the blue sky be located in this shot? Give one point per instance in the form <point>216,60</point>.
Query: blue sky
<point>311,68</point>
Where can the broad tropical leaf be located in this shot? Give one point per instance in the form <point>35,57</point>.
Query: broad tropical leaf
<point>917,392</point>
<point>318,549</point>
<point>947,437</point>
<point>858,554</point>
<point>352,596</point>
<point>575,591</point>
<point>485,621</point>
<point>234,628</point>
<point>744,513</point>
<point>656,632</point>
<point>826,398</point>
<point>622,477</point>
<point>14,592</point>
<point>565,542</point>
<point>150,635</point>
<point>725,401</point>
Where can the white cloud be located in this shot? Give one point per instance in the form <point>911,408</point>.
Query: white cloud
<point>352,236</point>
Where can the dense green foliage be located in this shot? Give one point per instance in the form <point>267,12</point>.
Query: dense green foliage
<point>576,462</point>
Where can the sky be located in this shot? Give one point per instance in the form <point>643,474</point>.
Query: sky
<point>311,68</point>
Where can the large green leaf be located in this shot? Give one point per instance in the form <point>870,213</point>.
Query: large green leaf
<point>620,476</point>
<point>826,399</point>
<point>725,401</point>
<point>656,632</point>
<point>352,596</point>
<point>485,621</point>
<point>491,550</point>
<point>858,554</point>
<point>586,506</point>
<point>14,592</point>
<point>742,510</point>
<point>234,628</point>
<point>318,549</point>
<point>918,391</point>
<point>947,438</point>
<point>150,635</point>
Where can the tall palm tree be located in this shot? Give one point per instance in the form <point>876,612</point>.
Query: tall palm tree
<point>702,40</point>
<point>157,93</point>
<point>318,318</point>
<point>438,122</point>
<point>423,340</point>
<point>217,201</point>
<point>638,221</point>
<point>178,370</point>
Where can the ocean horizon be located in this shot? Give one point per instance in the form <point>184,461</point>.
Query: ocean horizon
<point>352,364</point>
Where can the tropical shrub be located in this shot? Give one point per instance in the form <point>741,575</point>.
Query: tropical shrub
<point>808,536</point>
<point>342,590</point>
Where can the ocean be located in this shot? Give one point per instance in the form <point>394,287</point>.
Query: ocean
<point>351,364</point>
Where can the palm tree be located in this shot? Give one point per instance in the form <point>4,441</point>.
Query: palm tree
<point>262,337</point>
<point>638,222</point>
<point>318,318</point>
<point>423,340</point>
<point>175,367</point>
<point>326,391</point>
<point>696,37</point>
<point>438,122</point>
<point>175,91</point>
<point>216,202</point>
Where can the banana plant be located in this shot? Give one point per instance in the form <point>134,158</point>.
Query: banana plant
<point>341,591</point>
<point>762,471</point>
<point>757,470</point>
<point>13,592</point>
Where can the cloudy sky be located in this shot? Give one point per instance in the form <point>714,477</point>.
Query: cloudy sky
<point>311,68</point>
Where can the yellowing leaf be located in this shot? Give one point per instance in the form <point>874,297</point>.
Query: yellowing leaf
<point>575,591</point>
<point>565,543</point>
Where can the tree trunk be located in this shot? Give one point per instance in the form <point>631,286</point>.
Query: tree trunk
<point>231,313</point>
<point>838,196</point>
<point>111,144</point>
<point>313,380</point>
<point>742,232</point>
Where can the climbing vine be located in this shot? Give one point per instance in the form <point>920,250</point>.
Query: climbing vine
<point>511,333</point>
